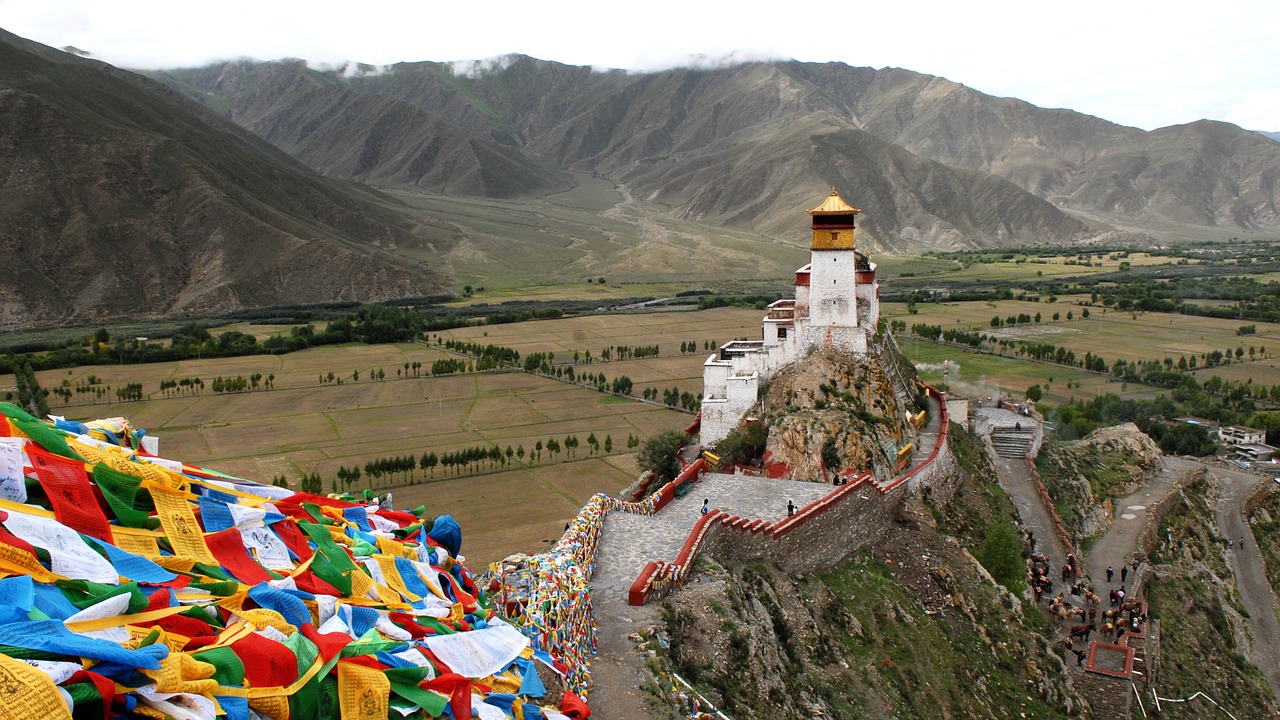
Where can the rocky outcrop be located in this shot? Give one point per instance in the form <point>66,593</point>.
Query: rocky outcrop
<point>846,401</point>
<point>1084,476</point>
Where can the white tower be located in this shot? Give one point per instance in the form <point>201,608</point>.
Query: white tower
<point>833,268</point>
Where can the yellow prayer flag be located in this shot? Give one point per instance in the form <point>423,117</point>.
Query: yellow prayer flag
<point>363,693</point>
<point>179,523</point>
<point>26,692</point>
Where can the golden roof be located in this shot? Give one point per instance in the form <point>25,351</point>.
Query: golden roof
<point>834,205</point>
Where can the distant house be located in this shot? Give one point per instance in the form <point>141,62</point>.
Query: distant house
<point>1254,452</point>
<point>1234,435</point>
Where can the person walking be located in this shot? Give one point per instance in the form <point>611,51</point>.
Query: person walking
<point>1124,573</point>
<point>706,506</point>
<point>791,508</point>
<point>1241,542</point>
<point>1110,573</point>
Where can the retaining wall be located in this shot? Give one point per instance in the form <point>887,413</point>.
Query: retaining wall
<point>1048,502</point>
<point>818,536</point>
<point>1156,512</point>
<point>1260,493</point>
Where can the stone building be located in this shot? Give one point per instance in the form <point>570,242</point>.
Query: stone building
<point>836,305</point>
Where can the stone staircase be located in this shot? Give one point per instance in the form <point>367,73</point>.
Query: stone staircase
<point>1013,442</point>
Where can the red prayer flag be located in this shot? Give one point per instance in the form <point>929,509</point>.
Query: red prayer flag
<point>69,491</point>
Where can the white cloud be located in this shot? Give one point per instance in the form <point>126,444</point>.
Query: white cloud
<point>1136,63</point>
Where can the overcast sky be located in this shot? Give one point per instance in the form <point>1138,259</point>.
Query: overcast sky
<point>1136,62</point>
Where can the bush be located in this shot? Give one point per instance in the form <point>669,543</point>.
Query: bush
<point>1001,555</point>
<point>658,455</point>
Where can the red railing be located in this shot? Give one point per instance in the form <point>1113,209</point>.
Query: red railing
<point>658,578</point>
<point>694,426</point>
<point>945,421</point>
<point>1048,504</point>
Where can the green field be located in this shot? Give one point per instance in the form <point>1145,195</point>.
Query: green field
<point>303,426</point>
<point>980,375</point>
<point>1111,333</point>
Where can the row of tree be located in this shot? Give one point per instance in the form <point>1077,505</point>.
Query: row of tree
<point>1025,319</point>
<point>402,469</point>
<point>29,395</point>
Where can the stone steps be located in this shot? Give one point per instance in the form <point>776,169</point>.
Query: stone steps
<point>1012,442</point>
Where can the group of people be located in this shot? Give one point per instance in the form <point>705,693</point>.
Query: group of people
<point>1123,615</point>
<point>1076,602</point>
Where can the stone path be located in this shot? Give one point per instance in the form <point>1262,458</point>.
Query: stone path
<point>629,541</point>
<point>1251,575</point>
<point>1018,482</point>
<point>1117,546</point>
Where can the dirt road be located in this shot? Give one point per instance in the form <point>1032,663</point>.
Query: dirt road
<point>1251,576</point>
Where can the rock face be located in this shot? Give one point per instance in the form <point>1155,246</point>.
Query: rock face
<point>845,400</point>
<point>913,628</point>
<point>1086,474</point>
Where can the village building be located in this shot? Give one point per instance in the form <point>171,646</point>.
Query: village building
<point>1233,435</point>
<point>836,306</point>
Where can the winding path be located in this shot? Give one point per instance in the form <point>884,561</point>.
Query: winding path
<point>1251,575</point>
<point>1016,480</point>
<point>1117,547</point>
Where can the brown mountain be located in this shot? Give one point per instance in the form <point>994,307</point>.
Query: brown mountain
<point>345,130</point>
<point>938,164</point>
<point>121,197</point>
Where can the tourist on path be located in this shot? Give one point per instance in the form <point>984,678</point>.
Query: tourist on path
<point>706,506</point>
<point>1110,573</point>
<point>791,508</point>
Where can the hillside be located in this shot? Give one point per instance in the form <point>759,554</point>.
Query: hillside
<point>124,199</point>
<point>935,163</point>
<point>913,626</point>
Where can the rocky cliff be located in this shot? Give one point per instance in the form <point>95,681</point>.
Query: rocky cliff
<point>1084,476</point>
<point>913,626</point>
<point>843,403</point>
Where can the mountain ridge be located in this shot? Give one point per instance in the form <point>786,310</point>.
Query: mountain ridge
<point>650,129</point>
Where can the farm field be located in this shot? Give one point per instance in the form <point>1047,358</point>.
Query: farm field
<point>979,375</point>
<point>290,431</point>
<point>302,426</point>
<point>595,332</point>
<point>1031,270</point>
<point>1112,334</point>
